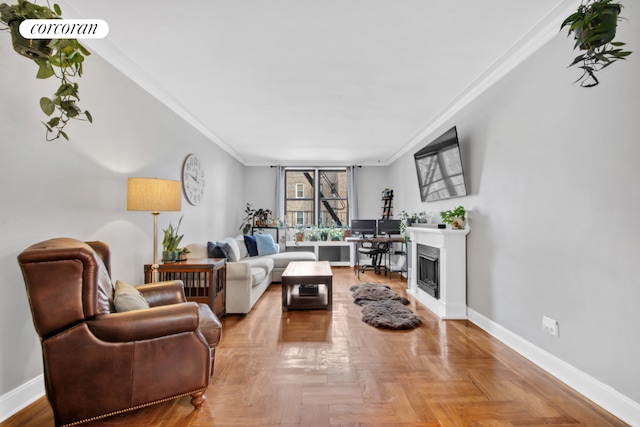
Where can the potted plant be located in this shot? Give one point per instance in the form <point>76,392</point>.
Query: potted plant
<point>324,233</point>
<point>335,233</point>
<point>170,243</point>
<point>346,230</point>
<point>299,233</point>
<point>62,58</point>
<point>182,253</point>
<point>454,217</point>
<point>313,235</point>
<point>261,217</point>
<point>593,27</point>
<point>247,221</point>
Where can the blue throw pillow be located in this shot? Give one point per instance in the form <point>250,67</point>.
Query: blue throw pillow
<point>252,246</point>
<point>215,250</point>
<point>266,245</point>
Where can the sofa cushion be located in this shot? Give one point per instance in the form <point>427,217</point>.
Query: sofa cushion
<point>264,263</point>
<point>233,250</point>
<point>252,246</point>
<point>282,259</point>
<point>128,298</point>
<point>257,275</point>
<point>266,245</point>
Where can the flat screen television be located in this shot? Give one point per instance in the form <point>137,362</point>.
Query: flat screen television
<point>363,227</point>
<point>388,226</point>
<point>439,168</point>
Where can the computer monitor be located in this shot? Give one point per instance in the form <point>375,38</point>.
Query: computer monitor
<point>363,227</point>
<point>388,226</point>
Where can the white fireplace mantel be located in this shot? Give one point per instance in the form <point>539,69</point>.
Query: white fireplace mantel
<point>452,303</point>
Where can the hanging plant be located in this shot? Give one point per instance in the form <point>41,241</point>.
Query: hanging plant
<point>593,27</point>
<point>60,58</point>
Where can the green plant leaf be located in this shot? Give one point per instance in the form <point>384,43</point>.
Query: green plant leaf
<point>67,89</point>
<point>47,105</point>
<point>63,134</point>
<point>56,9</point>
<point>45,70</point>
<point>54,122</point>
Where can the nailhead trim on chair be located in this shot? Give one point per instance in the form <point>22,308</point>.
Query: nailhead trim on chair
<point>121,411</point>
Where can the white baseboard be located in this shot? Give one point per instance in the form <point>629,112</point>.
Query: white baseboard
<point>601,394</point>
<point>21,397</point>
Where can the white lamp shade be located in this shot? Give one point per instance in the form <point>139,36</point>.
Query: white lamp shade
<point>153,194</point>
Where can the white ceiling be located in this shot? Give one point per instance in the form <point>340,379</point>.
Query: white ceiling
<point>317,82</point>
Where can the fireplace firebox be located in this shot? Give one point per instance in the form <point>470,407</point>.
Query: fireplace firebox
<point>428,277</point>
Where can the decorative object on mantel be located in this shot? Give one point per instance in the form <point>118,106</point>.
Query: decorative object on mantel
<point>64,55</point>
<point>170,243</point>
<point>593,27</point>
<point>383,308</point>
<point>455,217</point>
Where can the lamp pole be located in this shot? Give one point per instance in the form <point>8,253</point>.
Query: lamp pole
<point>155,265</point>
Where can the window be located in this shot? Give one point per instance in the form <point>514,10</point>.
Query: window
<point>324,203</point>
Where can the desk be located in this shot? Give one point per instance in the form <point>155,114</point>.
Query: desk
<point>204,280</point>
<point>359,240</point>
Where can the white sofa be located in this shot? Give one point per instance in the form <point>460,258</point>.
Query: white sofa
<point>249,277</point>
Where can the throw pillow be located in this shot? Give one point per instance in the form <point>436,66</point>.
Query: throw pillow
<point>128,298</point>
<point>242,248</point>
<point>215,250</point>
<point>266,245</point>
<point>252,246</point>
<point>233,250</point>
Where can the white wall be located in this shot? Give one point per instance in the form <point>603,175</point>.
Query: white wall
<point>553,172</point>
<point>78,188</point>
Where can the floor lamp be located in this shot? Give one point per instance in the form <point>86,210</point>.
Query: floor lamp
<point>155,195</point>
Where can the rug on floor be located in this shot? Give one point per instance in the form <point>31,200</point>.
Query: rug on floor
<point>383,308</point>
<point>374,292</point>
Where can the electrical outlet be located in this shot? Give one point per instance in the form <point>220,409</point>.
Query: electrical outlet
<point>550,326</point>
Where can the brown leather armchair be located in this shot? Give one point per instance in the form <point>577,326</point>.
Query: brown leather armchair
<point>98,362</point>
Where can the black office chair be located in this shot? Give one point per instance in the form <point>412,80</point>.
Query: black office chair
<point>376,251</point>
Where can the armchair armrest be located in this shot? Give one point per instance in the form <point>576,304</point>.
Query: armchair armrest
<point>145,324</point>
<point>163,293</point>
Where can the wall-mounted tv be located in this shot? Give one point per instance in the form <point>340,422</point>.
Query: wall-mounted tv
<point>439,168</point>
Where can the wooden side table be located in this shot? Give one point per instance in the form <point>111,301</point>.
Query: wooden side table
<point>204,280</point>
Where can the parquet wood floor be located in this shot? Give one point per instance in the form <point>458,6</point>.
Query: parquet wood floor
<point>318,368</point>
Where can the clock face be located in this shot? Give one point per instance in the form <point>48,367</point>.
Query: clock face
<point>193,179</point>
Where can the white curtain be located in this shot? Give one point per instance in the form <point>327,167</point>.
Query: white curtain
<point>352,192</point>
<point>280,192</point>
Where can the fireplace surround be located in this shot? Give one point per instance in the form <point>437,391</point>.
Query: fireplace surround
<point>443,252</point>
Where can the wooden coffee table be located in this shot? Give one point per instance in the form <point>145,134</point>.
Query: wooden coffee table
<point>307,273</point>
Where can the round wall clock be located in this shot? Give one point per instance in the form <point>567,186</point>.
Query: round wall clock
<point>193,179</point>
